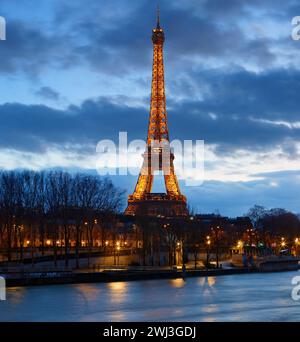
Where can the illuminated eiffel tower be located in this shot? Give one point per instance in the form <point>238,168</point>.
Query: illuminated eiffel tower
<point>158,156</point>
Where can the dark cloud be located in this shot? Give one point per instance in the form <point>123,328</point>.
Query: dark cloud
<point>272,95</point>
<point>48,93</point>
<point>239,110</point>
<point>34,127</point>
<point>114,38</point>
<point>113,49</point>
<point>30,49</point>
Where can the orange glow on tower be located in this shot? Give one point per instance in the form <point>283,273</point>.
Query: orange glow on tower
<point>158,155</point>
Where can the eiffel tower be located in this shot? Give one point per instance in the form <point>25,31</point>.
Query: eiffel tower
<point>158,155</point>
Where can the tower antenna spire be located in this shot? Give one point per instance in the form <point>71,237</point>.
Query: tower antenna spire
<point>158,17</point>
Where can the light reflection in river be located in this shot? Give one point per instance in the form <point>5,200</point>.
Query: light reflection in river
<point>88,291</point>
<point>211,281</point>
<point>179,282</point>
<point>117,291</point>
<point>18,293</point>
<point>248,297</point>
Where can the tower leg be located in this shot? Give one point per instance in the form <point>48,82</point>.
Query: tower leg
<point>171,182</point>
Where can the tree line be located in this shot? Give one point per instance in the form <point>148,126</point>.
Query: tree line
<point>57,212</point>
<point>35,206</point>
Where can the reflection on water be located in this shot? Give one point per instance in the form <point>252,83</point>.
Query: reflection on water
<point>89,292</point>
<point>211,281</point>
<point>248,297</point>
<point>210,308</point>
<point>177,282</point>
<point>201,281</point>
<point>15,295</point>
<point>206,285</point>
<point>117,291</point>
<point>117,317</point>
<point>117,286</point>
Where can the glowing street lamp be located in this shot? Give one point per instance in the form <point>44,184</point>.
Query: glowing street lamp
<point>297,243</point>
<point>240,244</point>
<point>208,242</point>
<point>283,242</point>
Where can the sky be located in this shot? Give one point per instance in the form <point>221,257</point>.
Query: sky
<point>74,73</point>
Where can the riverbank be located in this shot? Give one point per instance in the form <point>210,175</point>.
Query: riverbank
<point>45,275</point>
<point>56,278</point>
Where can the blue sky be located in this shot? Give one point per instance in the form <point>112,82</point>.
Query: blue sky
<point>73,73</point>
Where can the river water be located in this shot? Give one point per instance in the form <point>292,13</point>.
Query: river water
<point>246,297</point>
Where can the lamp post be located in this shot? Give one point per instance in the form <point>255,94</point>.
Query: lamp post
<point>208,243</point>
<point>217,234</point>
<point>297,242</point>
<point>116,253</point>
<point>283,242</point>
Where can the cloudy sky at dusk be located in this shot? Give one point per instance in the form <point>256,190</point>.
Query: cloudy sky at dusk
<point>76,72</point>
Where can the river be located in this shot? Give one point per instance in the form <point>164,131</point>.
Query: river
<point>246,297</point>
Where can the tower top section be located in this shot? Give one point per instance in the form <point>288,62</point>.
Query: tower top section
<point>158,36</point>
<point>158,18</point>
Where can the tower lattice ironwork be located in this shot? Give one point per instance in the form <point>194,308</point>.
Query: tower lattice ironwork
<point>158,155</point>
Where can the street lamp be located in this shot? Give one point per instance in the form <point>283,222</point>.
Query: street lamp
<point>283,243</point>
<point>217,234</point>
<point>208,243</point>
<point>297,242</point>
<point>240,244</point>
<point>118,254</point>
